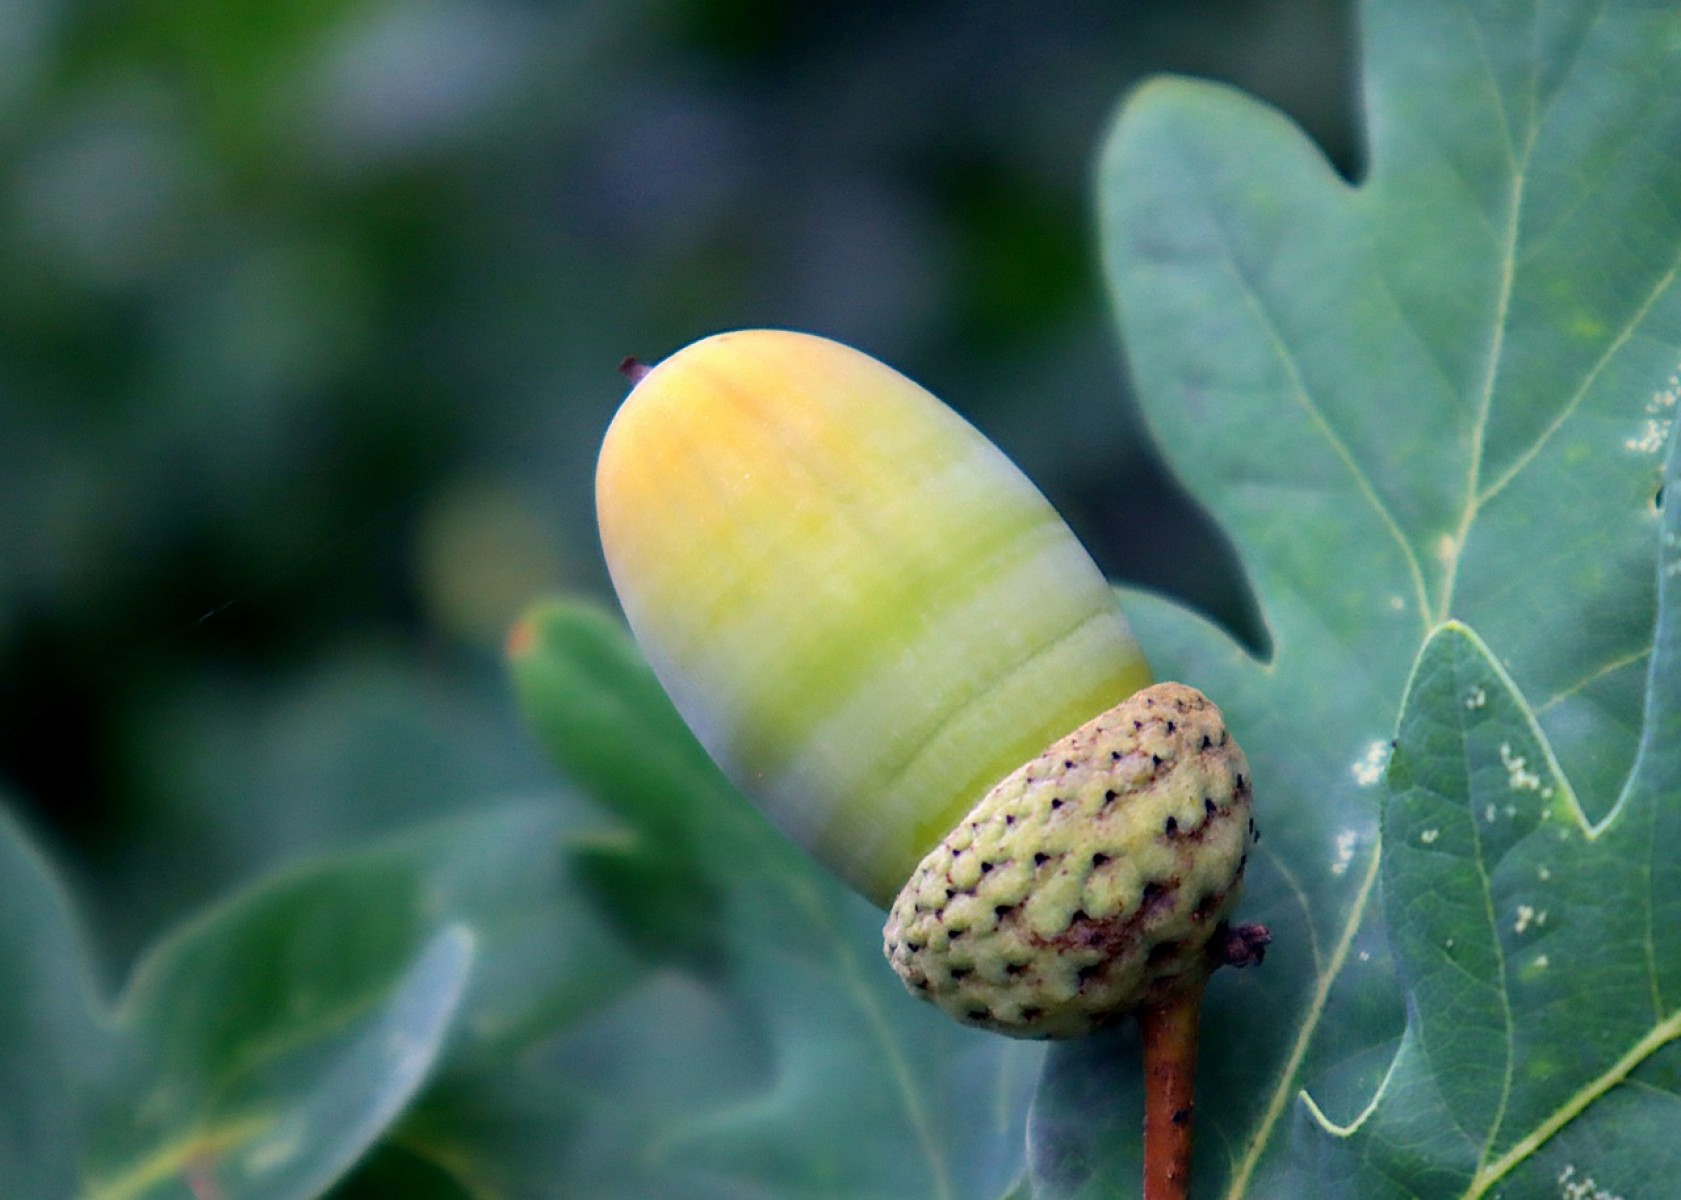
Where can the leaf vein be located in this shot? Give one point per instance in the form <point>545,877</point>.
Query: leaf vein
<point>1491,375</point>
<point>1657,292</point>
<point>1284,1089</point>
<point>1317,418</point>
<point>1658,1037</point>
<point>916,1111</point>
<point>1502,984</point>
<point>1592,677</point>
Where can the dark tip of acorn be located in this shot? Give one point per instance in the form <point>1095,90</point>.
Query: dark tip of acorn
<point>634,369</point>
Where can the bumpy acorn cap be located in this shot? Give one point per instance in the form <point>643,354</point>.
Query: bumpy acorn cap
<point>1090,880</point>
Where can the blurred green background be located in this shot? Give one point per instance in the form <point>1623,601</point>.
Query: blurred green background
<point>308,331</point>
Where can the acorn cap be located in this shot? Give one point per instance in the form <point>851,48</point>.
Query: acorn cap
<point>1090,880</point>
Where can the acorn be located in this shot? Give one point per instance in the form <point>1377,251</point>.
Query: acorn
<point>891,642</point>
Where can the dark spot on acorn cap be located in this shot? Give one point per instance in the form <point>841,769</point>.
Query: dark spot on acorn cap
<point>1031,1014</point>
<point>954,934</point>
<point>1172,826</point>
<point>979,1014</point>
<point>1241,784</point>
<point>1114,756</point>
<point>1172,728</point>
<point>962,972</point>
<point>1089,972</point>
<point>1207,742</point>
<point>1014,968</point>
<point>1003,910</point>
<point>1041,859</point>
<point>1079,915</point>
<point>985,867</point>
<point>1110,796</point>
<point>1155,760</point>
<point>1068,764</point>
<point>1152,893</point>
<point>1097,860</point>
<point>1208,805</point>
<point>1056,803</point>
<point>1162,951</point>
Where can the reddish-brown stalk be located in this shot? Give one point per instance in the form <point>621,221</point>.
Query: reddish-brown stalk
<point>1170,1066</point>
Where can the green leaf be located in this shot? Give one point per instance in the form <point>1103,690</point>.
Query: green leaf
<point>800,1068</point>
<point>280,1110</point>
<point>1438,394</point>
<point>1541,951</point>
<point>265,1046</point>
<point>241,775</point>
<point>48,1034</point>
<point>605,720</point>
<point>602,715</point>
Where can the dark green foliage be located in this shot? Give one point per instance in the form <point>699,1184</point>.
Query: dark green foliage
<point>298,404</point>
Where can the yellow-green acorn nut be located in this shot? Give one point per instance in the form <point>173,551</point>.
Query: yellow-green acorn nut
<point>870,618</point>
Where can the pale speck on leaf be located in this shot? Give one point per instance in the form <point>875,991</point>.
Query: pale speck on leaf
<point>1653,435</point>
<point>1345,851</point>
<point>1519,777</point>
<point>1370,769</point>
<point>1572,1187</point>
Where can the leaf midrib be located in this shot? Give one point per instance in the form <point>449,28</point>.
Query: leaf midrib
<point>1657,1038</point>
<point>1285,1089</point>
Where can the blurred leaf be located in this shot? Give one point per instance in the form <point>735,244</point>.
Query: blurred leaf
<point>1509,910</point>
<point>246,770</point>
<point>1437,395</point>
<point>265,1046</point>
<point>1022,1189</point>
<point>603,717</point>
<point>278,1108</point>
<point>600,713</point>
<point>806,1069</point>
<point>48,1034</point>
